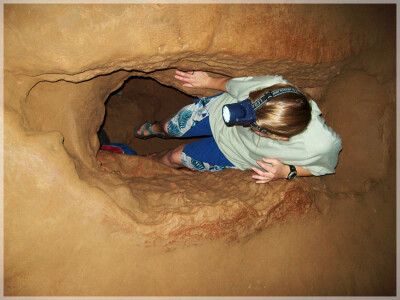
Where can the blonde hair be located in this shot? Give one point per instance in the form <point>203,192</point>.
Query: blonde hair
<point>285,115</point>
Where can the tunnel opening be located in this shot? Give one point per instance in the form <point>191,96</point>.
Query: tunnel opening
<point>181,205</point>
<point>138,100</point>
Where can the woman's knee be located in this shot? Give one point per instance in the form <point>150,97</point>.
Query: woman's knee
<point>175,155</point>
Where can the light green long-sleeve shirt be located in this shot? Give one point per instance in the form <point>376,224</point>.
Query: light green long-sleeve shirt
<point>315,149</point>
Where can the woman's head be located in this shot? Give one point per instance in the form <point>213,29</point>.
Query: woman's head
<point>282,116</point>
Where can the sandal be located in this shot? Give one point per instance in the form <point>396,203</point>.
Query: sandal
<point>147,126</point>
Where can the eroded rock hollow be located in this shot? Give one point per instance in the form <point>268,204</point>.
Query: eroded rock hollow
<point>83,221</point>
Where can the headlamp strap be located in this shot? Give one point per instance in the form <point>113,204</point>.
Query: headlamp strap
<point>268,95</point>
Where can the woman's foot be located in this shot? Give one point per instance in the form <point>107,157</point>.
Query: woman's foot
<point>149,130</point>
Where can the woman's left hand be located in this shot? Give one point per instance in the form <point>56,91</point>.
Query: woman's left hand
<point>194,79</point>
<point>276,170</point>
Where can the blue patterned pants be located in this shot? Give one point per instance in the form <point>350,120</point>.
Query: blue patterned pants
<point>193,121</point>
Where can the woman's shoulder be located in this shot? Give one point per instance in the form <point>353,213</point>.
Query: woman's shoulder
<point>320,138</point>
<point>266,80</point>
<point>241,87</point>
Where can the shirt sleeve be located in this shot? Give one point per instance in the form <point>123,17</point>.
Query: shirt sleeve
<point>326,160</point>
<point>323,146</point>
<point>241,87</point>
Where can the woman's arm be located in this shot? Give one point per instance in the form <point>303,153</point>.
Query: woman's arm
<point>277,170</point>
<point>200,79</point>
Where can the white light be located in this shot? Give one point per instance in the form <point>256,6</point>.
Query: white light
<point>226,114</point>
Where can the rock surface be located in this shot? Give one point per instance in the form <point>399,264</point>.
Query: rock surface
<point>76,218</point>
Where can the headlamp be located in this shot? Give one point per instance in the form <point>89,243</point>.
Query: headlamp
<point>241,113</point>
<point>244,112</point>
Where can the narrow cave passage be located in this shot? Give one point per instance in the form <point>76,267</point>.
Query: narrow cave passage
<point>138,100</point>
<point>74,228</point>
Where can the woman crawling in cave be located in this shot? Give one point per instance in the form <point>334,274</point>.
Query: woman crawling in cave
<point>255,122</point>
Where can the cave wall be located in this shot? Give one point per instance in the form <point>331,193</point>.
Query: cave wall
<point>62,61</point>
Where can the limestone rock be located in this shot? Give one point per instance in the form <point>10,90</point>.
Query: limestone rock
<point>68,205</point>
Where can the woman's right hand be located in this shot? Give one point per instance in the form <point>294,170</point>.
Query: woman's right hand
<point>200,79</point>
